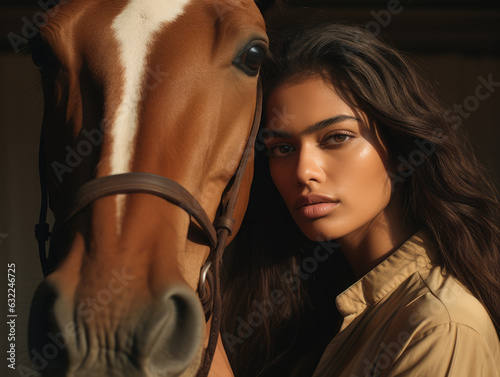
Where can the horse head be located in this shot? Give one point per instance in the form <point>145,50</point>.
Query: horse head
<point>165,89</point>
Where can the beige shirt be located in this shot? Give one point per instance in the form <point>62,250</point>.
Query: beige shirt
<point>405,318</point>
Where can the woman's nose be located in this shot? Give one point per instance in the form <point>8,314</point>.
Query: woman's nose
<point>309,168</point>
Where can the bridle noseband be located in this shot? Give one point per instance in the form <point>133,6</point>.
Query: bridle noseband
<point>138,182</point>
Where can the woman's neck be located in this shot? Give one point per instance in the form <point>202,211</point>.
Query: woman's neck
<point>368,246</point>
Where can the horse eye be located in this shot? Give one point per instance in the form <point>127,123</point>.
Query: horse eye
<point>251,60</point>
<point>42,56</point>
<point>254,57</point>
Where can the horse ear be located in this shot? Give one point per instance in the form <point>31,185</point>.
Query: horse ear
<point>266,4</point>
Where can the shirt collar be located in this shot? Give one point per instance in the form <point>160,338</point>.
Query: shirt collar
<point>381,281</point>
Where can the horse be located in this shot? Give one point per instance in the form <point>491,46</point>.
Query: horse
<point>150,112</point>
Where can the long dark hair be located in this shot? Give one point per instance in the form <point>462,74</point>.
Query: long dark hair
<point>447,193</point>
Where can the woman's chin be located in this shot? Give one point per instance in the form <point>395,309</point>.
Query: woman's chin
<point>321,231</point>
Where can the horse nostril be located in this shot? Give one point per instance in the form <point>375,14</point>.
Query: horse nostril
<point>48,338</point>
<point>175,339</point>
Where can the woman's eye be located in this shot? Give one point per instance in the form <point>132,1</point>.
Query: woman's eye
<point>251,60</point>
<point>337,138</point>
<point>279,150</point>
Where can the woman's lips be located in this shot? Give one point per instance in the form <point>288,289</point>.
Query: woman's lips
<point>314,206</point>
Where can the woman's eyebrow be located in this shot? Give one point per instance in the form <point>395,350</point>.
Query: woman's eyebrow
<point>312,128</point>
<point>327,122</point>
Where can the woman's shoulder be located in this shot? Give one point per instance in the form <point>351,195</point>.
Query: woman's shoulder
<point>436,297</point>
<point>444,326</point>
<point>430,325</point>
<point>444,303</point>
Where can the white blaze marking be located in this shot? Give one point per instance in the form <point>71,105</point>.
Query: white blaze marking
<point>134,29</point>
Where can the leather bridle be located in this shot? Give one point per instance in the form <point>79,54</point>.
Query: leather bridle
<point>138,182</point>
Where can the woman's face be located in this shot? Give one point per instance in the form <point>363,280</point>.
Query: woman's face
<point>327,162</point>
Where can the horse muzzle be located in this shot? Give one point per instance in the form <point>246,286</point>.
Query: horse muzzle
<point>94,336</point>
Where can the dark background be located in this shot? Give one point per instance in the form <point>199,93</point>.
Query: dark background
<point>455,42</point>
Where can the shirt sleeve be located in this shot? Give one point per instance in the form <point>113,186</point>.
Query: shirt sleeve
<point>447,350</point>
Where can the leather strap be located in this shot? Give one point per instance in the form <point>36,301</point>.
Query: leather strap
<point>42,232</point>
<point>146,183</point>
<point>223,233</point>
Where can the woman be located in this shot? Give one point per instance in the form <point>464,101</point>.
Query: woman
<point>368,163</point>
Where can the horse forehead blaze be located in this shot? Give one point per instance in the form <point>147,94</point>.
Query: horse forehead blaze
<point>134,28</point>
